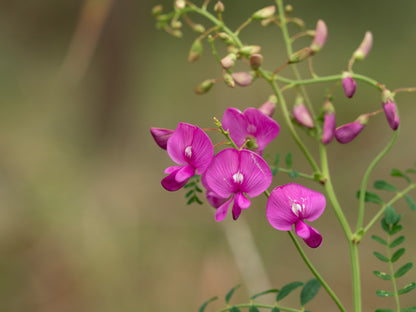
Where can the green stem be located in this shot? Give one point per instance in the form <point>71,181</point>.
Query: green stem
<point>356,278</point>
<point>391,202</point>
<point>364,182</point>
<point>315,273</point>
<point>393,279</point>
<point>259,305</point>
<point>302,175</point>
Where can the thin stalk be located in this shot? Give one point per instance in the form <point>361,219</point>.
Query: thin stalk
<point>364,182</point>
<point>302,175</point>
<point>315,273</point>
<point>356,278</point>
<point>393,279</point>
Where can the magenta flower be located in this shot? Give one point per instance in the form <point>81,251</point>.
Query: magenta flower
<point>302,116</point>
<point>329,127</point>
<point>213,198</point>
<point>349,85</point>
<point>321,33</point>
<point>259,128</point>
<point>161,136</point>
<point>391,114</point>
<point>234,173</point>
<point>290,205</point>
<point>346,133</point>
<point>192,150</point>
<point>268,107</point>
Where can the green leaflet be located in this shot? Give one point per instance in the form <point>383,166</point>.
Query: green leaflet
<point>204,305</point>
<point>309,291</point>
<point>230,294</point>
<point>287,289</point>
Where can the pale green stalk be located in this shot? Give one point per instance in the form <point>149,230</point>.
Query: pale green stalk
<point>393,279</point>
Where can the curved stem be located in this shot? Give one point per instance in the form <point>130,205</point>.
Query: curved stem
<point>315,273</point>
<point>364,182</point>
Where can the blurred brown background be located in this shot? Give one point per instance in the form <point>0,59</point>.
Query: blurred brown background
<point>85,224</point>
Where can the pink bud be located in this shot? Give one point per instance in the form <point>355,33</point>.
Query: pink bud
<point>256,60</point>
<point>365,47</point>
<point>349,85</point>
<point>321,33</point>
<point>243,79</point>
<point>329,123</point>
<point>302,115</point>
<point>391,114</point>
<point>268,108</point>
<point>228,61</point>
<point>161,136</point>
<point>346,133</point>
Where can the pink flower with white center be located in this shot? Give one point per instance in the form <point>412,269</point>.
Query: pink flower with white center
<point>161,136</point>
<point>192,150</point>
<point>290,205</point>
<point>259,128</point>
<point>234,173</point>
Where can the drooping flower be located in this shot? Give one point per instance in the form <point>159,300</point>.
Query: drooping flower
<point>192,150</point>
<point>390,109</point>
<point>349,85</point>
<point>321,33</point>
<point>161,136</point>
<point>290,205</point>
<point>235,174</point>
<point>302,115</point>
<point>365,47</point>
<point>346,133</point>
<point>329,123</point>
<point>259,128</point>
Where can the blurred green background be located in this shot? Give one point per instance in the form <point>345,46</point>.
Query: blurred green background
<point>85,224</point>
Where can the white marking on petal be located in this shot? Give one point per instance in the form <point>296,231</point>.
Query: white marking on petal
<point>188,151</point>
<point>251,128</point>
<point>238,177</point>
<point>297,208</point>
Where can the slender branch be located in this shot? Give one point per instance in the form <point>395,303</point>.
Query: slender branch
<point>302,175</point>
<point>393,278</point>
<point>259,305</point>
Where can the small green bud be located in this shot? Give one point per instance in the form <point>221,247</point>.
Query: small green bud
<point>226,38</point>
<point>177,33</point>
<point>288,9</point>
<point>196,50</point>
<point>264,13</point>
<point>199,28</point>
<point>249,50</point>
<point>205,86</point>
<point>300,55</point>
<point>219,7</point>
<point>175,24</point>
<point>180,4</point>
<point>229,81</point>
<point>157,10</point>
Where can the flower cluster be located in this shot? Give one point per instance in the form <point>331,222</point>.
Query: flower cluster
<point>234,175</point>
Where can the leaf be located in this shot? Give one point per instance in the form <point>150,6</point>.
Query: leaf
<point>287,289</point>
<point>396,256</point>
<point>198,200</point>
<point>384,310</point>
<point>391,215</point>
<point>189,193</point>
<point>275,170</point>
<point>411,170</point>
<point>309,291</point>
<point>411,309</point>
<point>382,275</point>
<point>234,309</point>
<point>407,288</point>
<point>397,241</point>
<point>264,293</point>
<point>293,174</point>
<point>198,189</point>
<point>253,308</point>
<point>383,185</point>
<point>385,226</point>
<point>289,160</point>
<point>384,293</point>
<point>204,305</point>
<point>395,228</point>
<point>410,202</point>
<point>191,200</point>
<point>371,197</point>
<point>190,184</point>
<point>403,270</point>
<point>380,256</point>
<point>230,294</point>
<point>275,309</point>
<point>398,173</point>
<point>277,159</point>
<point>379,240</point>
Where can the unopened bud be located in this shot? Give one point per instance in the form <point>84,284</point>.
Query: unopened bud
<point>226,38</point>
<point>219,7</point>
<point>264,13</point>
<point>390,109</point>
<point>249,50</point>
<point>256,60</point>
<point>243,79</point>
<point>177,33</point>
<point>365,47</point>
<point>205,86</point>
<point>199,28</point>
<point>321,33</point>
<point>300,55</point>
<point>175,24</point>
<point>346,133</point>
<point>196,50</point>
<point>229,81</point>
<point>228,61</point>
<point>302,115</point>
<point>157,10</point>
<point>267,21</point>
<point>161,136</point>
<point>329,123</point>
<point>288,9</point>
<point>180,4</point>
<point>348,84</point>
<point>268,107</point>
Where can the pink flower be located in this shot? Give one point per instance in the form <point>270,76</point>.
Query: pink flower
<point>161,136</point>
<point>233,173</point>
<point>329,127</point>
<point>349,85</point>
<point>253,125</point>
<point>192,150</point>
<point>268,107</point>
<point>213,198</point>
<point>346,133</point>
<point>302,115</point>
<point>290,205</point>
<point>243,79</point>
<point>391,114</point>
<point>365,47</point>
<point>321,33</point>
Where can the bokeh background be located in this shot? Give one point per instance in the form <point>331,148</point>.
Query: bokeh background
<point>84,222</point>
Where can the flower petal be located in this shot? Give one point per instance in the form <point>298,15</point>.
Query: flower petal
<point>213,198</point>
<point>219,175</point>
<point>265,128</point>
<point>236,210</point>
<point>279,210</point>
<point>172,169</point>
<point>257,175</point>
<point>161,136</point>
<point>329,127</point>
<point>202,150</point>
<point>221,212</point>
<point>185,173</point>
<point>234,121</point>
<point>181,138</point>
<point>242,201</point>
<point>310,235</point>
<point>170,183</point>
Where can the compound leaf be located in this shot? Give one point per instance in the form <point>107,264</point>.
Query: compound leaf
<point>309,291</point>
